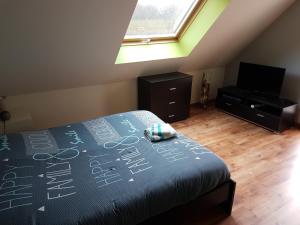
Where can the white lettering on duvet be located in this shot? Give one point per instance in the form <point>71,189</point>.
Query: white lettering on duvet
<point>15,188</point>
<point>4,143</point>
<point>59,180</point>
<point>128,151</point>
<point>102,170</point>
<point>169,152</point>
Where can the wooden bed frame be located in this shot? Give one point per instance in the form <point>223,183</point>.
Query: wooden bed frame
<point>222,197</point>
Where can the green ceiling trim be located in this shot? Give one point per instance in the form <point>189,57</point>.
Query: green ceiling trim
<point>202,23</point>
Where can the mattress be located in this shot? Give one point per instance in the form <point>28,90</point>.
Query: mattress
<point>101,171</point>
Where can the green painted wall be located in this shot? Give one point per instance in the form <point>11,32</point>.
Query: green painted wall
<point>139,53</point>
<point>202,23</point>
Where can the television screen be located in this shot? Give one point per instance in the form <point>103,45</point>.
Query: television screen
<point>262,79</point>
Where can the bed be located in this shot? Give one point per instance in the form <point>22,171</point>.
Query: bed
<point>104,171</point>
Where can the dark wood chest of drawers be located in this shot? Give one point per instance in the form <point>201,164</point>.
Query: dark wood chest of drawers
<point>166,95</point>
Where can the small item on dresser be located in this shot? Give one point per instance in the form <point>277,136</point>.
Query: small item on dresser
<point>158,132</point>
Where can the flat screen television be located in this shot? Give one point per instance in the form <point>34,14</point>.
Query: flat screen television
<point>260,79</point>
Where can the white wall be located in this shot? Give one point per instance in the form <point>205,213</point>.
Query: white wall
<point>48,109</point>
<point>214,76</point>
<point>277,46</point>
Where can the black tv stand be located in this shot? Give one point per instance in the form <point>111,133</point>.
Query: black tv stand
<point>272,113</point>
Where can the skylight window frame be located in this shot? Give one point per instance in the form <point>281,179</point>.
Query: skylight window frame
<point>166,39</point>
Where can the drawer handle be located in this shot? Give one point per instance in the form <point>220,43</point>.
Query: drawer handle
<point>260,115</point>
<point>170,116</point>
<point>172,89</point>
<point>229,104</point>
<point>171,103</point>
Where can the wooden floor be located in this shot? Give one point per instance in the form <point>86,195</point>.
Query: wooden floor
<point>266,167</point>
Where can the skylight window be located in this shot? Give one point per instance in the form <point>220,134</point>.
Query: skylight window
<point>159,19</point>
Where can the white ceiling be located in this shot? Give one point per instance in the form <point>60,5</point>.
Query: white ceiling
<point>58,44</point>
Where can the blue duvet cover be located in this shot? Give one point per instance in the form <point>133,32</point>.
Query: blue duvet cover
<point>100,172</point>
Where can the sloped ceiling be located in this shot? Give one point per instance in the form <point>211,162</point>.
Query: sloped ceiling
<point>58,44</point>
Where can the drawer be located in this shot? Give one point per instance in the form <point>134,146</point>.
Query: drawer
<point>164,102</point>
<point>230,99</point>
<point>264,119</point>
<point>171,112</point>
<point>230,107</point>
<point>173,103</point>
<point>178,108</point>
<point>174,89</point>
<point>175,115</point>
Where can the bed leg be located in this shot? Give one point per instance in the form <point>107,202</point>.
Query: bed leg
<point>227,205</point>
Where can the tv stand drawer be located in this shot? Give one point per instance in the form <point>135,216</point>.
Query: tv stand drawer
<point>230,107</point>
<point>264,119</point>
